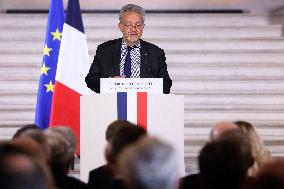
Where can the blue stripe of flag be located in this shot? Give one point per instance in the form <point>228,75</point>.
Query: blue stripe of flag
<point>74,17</point>
<point>122,106</point>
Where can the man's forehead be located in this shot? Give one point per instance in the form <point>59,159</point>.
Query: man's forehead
<point>127,13</point>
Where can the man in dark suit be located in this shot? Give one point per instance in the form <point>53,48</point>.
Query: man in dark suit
<point>106,177</point>
<point>129,56</point>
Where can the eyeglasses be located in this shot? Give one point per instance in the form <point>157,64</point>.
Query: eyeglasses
<point>130,26</point>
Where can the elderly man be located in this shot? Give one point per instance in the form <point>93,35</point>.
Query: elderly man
<point>129,56</point>
<point>149,164</point>
<point>62,143</point>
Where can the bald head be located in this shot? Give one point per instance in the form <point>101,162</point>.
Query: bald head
<point>220,128</point>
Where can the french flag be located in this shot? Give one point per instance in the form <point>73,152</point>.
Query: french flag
<point>73,65</point>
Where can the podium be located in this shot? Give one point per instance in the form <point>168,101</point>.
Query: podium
<point>164,118</point>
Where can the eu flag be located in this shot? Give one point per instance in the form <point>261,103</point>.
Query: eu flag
<point>53,34</point>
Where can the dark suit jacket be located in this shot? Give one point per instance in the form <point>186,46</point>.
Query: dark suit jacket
<point>196,181</point>
<point>100,177</point>
<point>68,182</point>
<point>106,64</point>
<point>191,182</point>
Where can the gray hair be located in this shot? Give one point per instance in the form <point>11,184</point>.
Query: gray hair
<point>62,143</point>
<point>132,7</point>
<point>149,164</point>
<point>68,134</point>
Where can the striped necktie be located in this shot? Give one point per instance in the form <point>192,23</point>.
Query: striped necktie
<point>127,64</point>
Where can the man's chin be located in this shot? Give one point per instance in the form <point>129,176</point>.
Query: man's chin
<point>133,41</point>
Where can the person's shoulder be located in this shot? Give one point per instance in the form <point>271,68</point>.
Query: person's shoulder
<point>71,183</point>
<point>191,181</point>
<point>109,43</point>
<point>192,176</point>
<point>98,170</point>
<point>150,46</point>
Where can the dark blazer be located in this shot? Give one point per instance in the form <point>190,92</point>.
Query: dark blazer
<point>196,181</point>
<point>106,64</point>
<point>68,182</point>
<point>191,182</point>
<point>100,178</point>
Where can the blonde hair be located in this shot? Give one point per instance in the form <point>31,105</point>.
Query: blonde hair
<point>260,153</point>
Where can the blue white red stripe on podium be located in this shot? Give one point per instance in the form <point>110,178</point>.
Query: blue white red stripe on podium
<point>132,107</point>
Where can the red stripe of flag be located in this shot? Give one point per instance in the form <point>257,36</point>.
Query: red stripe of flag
<point>66,109</point>
<point>142,109</point>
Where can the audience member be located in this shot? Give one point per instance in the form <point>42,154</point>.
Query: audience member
<point>114,126</point>
<point>270,176</point>
<point>19,170</point>
<point>224,162</point>
<point>31,147</point>
<point>33,132</point>
<point>149,164</point>
<point>63,148</point>
<point>123,137</point>
<point>260,153</point>
<point>193,181</point>
<point>27,130</point>
<point>220,128</point>
<point>103,175</point>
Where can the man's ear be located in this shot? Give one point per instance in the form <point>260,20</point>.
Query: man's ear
<point>108,154</point>
<point>120,26</point>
